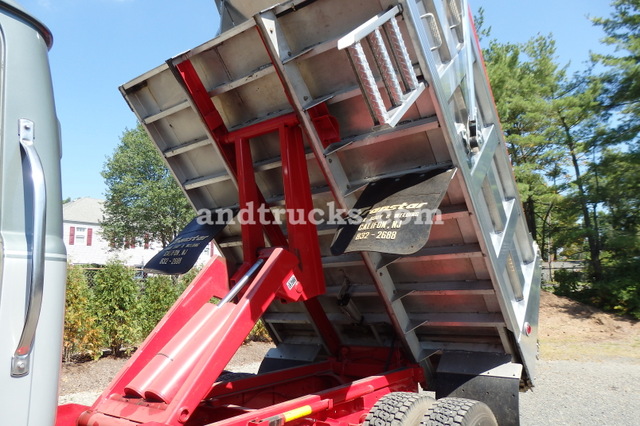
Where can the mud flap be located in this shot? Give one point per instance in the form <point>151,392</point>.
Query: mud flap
<point>492,378</point>
<point>179,256</point>
<point>393,216</point>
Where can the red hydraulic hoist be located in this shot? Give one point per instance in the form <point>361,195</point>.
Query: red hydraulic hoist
<point>172,379</point>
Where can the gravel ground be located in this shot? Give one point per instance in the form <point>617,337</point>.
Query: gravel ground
<point>583,393</point>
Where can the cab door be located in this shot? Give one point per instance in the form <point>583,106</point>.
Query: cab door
<point>32,253</point>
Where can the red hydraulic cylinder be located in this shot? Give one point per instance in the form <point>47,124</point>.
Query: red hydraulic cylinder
<point>166,384</point>
<point>170,352</point>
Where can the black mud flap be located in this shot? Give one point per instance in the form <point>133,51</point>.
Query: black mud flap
<point>393,216</point>
<point>179,256</point>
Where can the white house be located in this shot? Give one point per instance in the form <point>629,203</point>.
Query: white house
<point>85,245</point>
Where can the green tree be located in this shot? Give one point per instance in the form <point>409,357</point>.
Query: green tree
<point>619,184</point>
<point>143,202</point>
<point>576,114</point>
<point>523,79</point>
<point>617,181</point>
<point>621,78</point>
<point>578,182</point>
<point>551,123</point>
<point>118,310</point>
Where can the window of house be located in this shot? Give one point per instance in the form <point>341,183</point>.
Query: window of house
<point>80,235</point>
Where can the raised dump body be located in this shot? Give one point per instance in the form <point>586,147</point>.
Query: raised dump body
<point>383,93</point>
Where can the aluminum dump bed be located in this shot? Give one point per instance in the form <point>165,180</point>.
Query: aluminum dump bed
<point>381,90</point>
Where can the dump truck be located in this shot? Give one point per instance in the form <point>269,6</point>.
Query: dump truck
<point>348,161</point>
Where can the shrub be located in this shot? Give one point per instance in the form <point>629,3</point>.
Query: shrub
<point>158,295</point>
<point>81,334</point>
<point>184,280</point>
<point>259,333</point>
<point>569,283</point>
<point>118,310</point>
<point>619,291</point>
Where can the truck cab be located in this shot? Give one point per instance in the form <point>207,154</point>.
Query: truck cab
<point>32,252</point>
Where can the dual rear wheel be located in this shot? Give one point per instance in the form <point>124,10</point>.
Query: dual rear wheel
<point>413,409</point>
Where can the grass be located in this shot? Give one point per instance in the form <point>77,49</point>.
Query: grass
<point>581,350</point>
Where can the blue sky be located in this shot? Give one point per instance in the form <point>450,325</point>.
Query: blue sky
<point>566,20</point>
<point>101,44</point>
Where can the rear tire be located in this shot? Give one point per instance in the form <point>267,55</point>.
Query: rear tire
<point>459,412</point>
<point>399,409</point>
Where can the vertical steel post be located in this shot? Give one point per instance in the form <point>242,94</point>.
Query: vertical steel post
<point>252,236</point>
<point>303,236</point>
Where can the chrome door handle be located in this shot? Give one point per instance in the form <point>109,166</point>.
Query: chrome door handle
<point>21,361</point>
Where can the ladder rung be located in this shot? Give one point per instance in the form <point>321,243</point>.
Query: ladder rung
<point>455,13</point>
<point>368,83</point>
<point>383,59</point>
<point>365,29</point>
<point>395,115</point>
<point>401,54</point>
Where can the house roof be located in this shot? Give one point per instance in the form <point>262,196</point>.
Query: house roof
<point>85,210</point>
